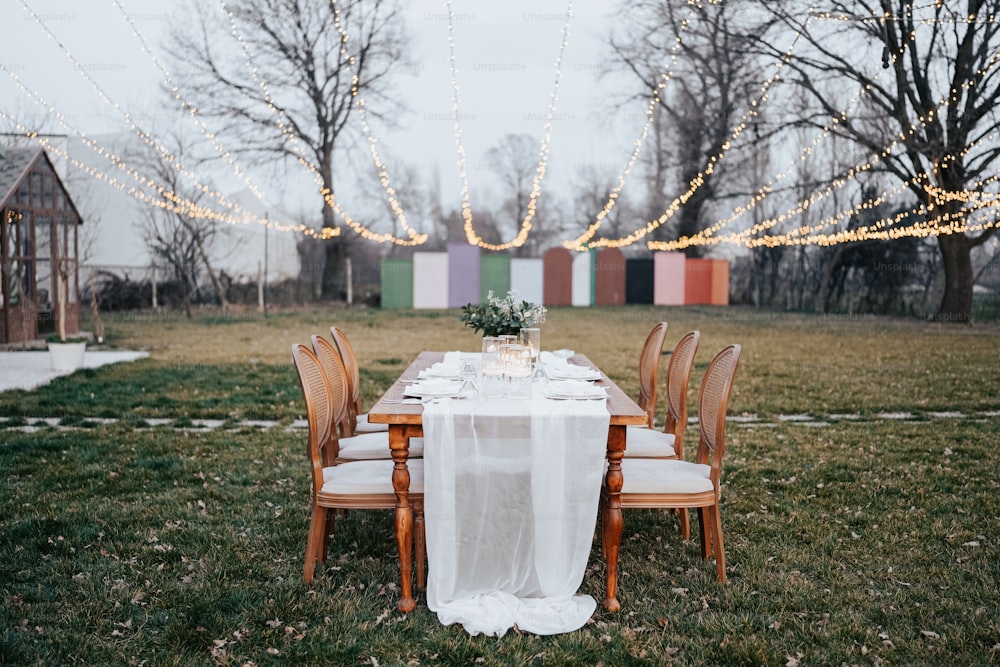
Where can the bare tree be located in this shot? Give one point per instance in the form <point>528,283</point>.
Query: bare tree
<point>289,92</point>
<point>591,191</point>
<point>178,235</point>
<point>928,79</point>
<point>709,90</point>
<point>514,161</point>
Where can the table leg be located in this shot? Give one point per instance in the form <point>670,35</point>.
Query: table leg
<point>611,521</point>
<point>399,443</point>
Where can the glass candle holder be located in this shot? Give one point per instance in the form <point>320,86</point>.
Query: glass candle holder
<point>531,338</point>
<point>516,362</point>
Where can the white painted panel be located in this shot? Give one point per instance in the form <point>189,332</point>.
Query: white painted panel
<point>430,280</point>
<point>581,279</point>
<point>527,276</point>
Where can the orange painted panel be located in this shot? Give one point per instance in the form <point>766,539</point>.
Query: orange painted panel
<point>720,282</point>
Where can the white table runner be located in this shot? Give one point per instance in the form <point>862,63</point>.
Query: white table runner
<point>511,491</point>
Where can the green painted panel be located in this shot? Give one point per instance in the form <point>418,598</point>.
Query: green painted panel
<point>397,283</point>
<point>494,274</point>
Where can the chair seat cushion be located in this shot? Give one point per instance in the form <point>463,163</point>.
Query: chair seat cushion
<point>369,477</point>
<point>364,426</point>
<point>665,476</point>
<point>648,443</point>
<point>367,446</point>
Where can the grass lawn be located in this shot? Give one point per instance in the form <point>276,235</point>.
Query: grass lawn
<point>860,507</point>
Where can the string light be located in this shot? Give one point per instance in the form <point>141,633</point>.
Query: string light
<point>705,236</point>
<point>192,112</point>
<point>699,179</point>
<point>168,201</point>
<point>381,168</point>
<point>578,243</point>
<point>302,159</point>
<point>543,153</point>
<point>134,126</point>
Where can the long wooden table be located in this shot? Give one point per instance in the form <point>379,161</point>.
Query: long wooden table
<point>405,422</point>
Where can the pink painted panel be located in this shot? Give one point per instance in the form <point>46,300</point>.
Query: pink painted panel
<point>668,278</point>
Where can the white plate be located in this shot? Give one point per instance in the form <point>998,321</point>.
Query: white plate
<point>434,390</point>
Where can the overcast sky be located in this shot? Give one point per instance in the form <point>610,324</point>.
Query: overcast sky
<point>505,56</point>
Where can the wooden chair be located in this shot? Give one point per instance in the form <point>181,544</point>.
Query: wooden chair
<point>649,370</point>
<point>662,483</point>
<point>668,443</point>
<point>355,485</point>
<point>354,446</point>
<point>358,418</point>
<point>647,443</point>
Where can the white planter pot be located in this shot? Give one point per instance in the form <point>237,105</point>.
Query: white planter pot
<point>66,356</point>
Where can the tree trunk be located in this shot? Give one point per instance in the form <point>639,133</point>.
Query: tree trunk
<point>331,281</point>
<point>956,302</point>
<point>823,294</point>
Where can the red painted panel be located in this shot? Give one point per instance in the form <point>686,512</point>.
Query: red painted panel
<point>610,286</point>
<point>558,277</point>
<point>697,282</point>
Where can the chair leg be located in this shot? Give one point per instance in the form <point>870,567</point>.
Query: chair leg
<point>715,517</point>
<point>420,545</point>
<point>684,516</point>
<point>331,517</point>
<point>706,535</point>
<point>313,546</point>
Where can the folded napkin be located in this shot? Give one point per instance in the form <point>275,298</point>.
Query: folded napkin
<point>551,360</point>
<point>572,371</point>
<point>433,387</point>
<point>441,370</point>
<point>572,389</point>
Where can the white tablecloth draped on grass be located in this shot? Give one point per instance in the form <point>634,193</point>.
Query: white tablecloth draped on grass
<point>511,492</point>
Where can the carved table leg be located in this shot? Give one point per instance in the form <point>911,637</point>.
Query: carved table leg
<point>612,522</point>
<point>399,443</point>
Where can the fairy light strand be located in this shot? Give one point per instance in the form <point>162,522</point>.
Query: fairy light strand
<point>578,243</point>
<point>703,237</point>
<point>302,158</point>
<point>174,204</point>
<point>543,154</point>
<point>191,111</point>
<point>147,138</point>
<point>362,108</point>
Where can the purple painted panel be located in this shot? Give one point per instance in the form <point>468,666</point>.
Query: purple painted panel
<point>463,274</point>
